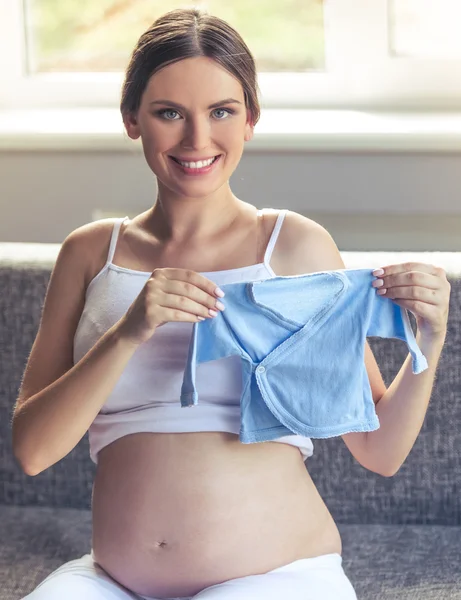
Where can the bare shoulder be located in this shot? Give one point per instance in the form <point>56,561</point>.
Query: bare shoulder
<point>304,246</point>
<point>91,245</point>
<point>52,351</point>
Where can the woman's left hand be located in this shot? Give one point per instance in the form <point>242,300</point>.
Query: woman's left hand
<point>421,288</point>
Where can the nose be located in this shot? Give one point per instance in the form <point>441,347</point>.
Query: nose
<point>197,133</point>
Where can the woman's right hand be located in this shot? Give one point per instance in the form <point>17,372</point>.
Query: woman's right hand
<point>168,295</point>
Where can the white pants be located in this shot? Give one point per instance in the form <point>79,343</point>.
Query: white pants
<point>318,578</point>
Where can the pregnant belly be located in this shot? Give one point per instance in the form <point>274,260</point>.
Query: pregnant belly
<point>176,513</point>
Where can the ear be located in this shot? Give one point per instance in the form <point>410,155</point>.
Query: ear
<point>249,127</point>
<point>131,125</point>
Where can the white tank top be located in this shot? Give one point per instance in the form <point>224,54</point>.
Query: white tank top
<point>146,396</point>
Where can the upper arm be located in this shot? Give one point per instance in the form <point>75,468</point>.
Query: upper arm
<point>356,441</point>
<point>51,355</point>
<point>308,247</point>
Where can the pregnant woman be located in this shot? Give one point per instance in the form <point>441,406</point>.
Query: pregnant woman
<point>181,508</point>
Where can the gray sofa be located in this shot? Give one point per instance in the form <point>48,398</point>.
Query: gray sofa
<point>401,535</point>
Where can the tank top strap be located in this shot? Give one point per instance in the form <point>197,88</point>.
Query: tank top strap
<point>274,236</point>
<point>114,238</point>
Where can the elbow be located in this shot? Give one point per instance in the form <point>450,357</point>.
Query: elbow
<point>388,472</point>
<point>384,471</point>
<point>31,472</point>
<point>26,465</point>
<point>23,458</point>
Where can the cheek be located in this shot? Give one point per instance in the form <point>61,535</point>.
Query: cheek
<point>158,140</point>
<point>234,135</point>
<point>153,146</point>
<point>156,148</point>
<point>156,132</point>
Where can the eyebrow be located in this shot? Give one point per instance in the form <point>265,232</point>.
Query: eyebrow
<point>215,105</point>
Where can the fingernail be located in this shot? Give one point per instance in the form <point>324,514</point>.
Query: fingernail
<point>218,291</point>
<point>378,272</point>
<point>219,305</point>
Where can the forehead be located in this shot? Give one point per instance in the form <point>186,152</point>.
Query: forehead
<point>194,78</point>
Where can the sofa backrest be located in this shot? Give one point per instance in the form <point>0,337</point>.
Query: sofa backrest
<point>427,489</point>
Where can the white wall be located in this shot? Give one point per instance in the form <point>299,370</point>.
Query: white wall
<point>369,200</point>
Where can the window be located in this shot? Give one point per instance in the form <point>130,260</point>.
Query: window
<point>378,54</point>
<point>425,29</point>
<point>99,36</point>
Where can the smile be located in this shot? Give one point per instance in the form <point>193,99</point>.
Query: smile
<point>201,168</point>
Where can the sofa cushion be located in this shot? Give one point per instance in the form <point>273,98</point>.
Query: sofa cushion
<point>37,540</point>
<point>383,562</point>
<point>425,490</point>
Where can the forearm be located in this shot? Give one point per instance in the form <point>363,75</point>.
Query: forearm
<point>401,411</point>
<point>48,425</point>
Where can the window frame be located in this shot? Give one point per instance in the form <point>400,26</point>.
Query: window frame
<point>354,79</point>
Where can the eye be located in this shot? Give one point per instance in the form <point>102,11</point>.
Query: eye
<point>167,110</point>
<point>226,110</point>
<point>164,111</point>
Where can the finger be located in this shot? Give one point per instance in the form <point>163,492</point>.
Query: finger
<point>411,266</point>
<point>184,290</point>
<point>411,279</point>
<point>413,293</point>
<point>196,279</point>
<point>418,308</point>
<point>176,307</point>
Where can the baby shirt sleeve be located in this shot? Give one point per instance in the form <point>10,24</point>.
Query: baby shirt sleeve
<point>389,320</point>
<point>210,340</point>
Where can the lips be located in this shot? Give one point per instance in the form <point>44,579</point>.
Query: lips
<point>195,171</point>
<point>177,159</point>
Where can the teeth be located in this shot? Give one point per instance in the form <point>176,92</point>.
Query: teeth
<point>196,165</point>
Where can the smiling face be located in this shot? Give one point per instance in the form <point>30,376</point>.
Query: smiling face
<point>182,115</point>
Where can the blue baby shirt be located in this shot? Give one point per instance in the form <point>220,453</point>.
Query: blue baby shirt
<point>301,341</point>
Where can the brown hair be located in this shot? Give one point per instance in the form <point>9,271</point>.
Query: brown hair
<point>186,33</point>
